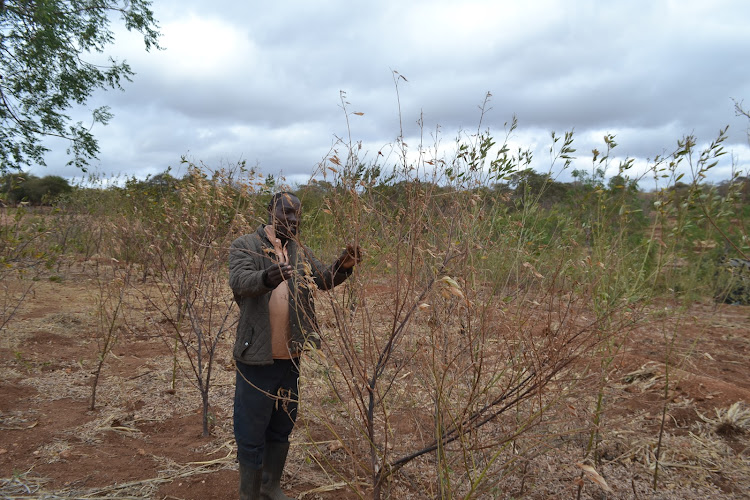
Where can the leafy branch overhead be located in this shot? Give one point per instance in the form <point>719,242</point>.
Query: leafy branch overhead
<point>44,73</point>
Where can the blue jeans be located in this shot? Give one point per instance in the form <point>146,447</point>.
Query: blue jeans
<point>265,407</point>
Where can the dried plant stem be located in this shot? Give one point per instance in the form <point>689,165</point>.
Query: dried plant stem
<point>665,403</point>
<point>108,320</point>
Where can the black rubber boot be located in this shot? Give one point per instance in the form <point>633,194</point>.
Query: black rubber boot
<point>274,458</point>
<point>250,480</point>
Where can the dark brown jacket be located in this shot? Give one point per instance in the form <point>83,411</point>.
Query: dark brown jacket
<point>249,256</point>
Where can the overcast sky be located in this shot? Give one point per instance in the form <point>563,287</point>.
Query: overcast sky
<point>261,81</point>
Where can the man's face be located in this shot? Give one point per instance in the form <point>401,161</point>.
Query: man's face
<point>285,215</point>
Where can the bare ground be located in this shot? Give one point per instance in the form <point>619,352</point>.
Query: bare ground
<point>143,440</point>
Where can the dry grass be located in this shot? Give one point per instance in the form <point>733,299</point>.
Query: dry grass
<point>730,421</point>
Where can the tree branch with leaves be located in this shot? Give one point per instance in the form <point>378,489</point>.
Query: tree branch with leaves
<point>43,73</point>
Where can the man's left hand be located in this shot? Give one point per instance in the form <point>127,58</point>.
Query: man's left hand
<point>350,257</point>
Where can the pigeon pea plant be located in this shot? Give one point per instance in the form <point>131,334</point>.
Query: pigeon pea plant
<point>433,356</point>
<point>190,261</point>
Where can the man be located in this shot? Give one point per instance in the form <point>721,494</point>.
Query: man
<point>273,278</point>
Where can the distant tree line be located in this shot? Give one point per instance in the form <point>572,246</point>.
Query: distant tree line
<point>28,188</point>
<point>528,184</point>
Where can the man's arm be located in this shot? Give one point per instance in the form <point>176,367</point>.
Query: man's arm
<point>245,273</point>
<point>338,272</point>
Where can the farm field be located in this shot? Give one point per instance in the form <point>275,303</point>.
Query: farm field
<point>501,303</point>
<point>505,336</point>
<point>143,440</point>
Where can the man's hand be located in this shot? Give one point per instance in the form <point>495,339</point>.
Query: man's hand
<point>274,275</point>
<point>350,257</point>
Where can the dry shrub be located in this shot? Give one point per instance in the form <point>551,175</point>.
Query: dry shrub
<point>187,247</point>
<point>445,365</point>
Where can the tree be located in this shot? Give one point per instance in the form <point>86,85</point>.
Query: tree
<point>32,189</point>
<point>43,73</point>
<point>542,188</point>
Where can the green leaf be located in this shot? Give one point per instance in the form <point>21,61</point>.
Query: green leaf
<point>44,45</point>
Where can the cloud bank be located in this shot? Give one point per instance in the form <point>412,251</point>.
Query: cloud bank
<point>262,83</point>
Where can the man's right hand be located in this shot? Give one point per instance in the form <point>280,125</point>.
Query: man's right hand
<point>274,275</point>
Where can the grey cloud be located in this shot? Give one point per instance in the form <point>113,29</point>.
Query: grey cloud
<point>646,71</point>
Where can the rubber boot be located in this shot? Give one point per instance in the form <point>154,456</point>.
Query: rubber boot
<point>250,480</point>
<point>274,458</point>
